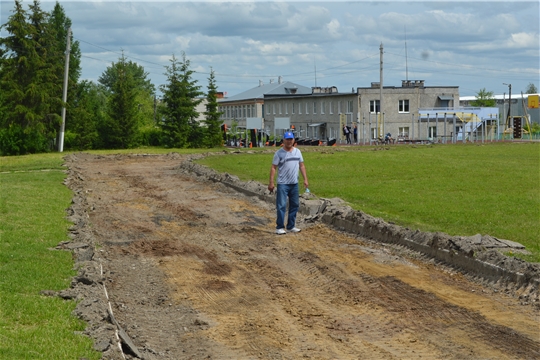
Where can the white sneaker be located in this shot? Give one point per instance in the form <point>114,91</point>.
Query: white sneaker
<point>281,231</point>
<point>294,230</point>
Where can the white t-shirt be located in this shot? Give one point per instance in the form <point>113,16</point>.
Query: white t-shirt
<point>288,164</point>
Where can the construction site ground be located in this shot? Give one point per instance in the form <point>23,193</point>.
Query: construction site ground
<point>190,269</point>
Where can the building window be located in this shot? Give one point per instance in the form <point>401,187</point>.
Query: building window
<point>314,107</point>
<point>403,106</point>
<point>403,132</point>
<point>374,133</point>
<point>349,107</point>
<point>292,106</point>
<point>432,132</point>
<point>374,106</point>
<point>322,108</point>
<point>268,110</point>
<point>339,107</point>
<point>307,108</point>
<point>286,108</point>
<point>331,107</point>
<point>280,108</point>
<point>243,111</point>
<point>300,108</point>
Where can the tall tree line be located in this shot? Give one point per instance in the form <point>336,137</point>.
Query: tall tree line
<point>119,111</point>
<point>31,78</point>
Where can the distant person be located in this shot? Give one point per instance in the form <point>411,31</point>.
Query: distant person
<point>388,138</point>
<point>287,161</point>
<point>347,133</point>
<point>355,133</point>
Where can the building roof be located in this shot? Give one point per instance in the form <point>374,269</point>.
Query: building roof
<point>279,88</point>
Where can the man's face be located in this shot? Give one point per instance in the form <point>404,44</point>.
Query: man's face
<point>288,143</point>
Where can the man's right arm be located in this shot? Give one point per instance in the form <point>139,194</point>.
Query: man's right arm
<point>272,175</point>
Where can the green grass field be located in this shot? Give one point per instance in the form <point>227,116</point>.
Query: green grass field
<point>457,189</point>
<point>33,207</point>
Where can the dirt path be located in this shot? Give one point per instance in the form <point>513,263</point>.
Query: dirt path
<point>194,270</point>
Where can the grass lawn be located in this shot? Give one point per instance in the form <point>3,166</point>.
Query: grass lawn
<point>491,188</point>
<point>33,205</point>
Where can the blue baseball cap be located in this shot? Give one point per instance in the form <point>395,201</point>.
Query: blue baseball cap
<point>288,135</point>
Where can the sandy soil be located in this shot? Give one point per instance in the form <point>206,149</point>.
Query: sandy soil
<point>193,270</point>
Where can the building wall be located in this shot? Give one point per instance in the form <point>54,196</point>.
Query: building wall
<point>240,110</point>
<point>397,117</point>
<point>358,108</point>
<point>305,111</point>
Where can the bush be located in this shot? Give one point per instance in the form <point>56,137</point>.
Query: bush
<point>14,140</point>
<point>151,136</point>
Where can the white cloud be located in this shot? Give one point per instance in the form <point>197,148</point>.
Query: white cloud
<point>260,39</point>
<point>524,40</point>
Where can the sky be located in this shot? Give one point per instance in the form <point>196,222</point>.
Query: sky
<point>471,44</point>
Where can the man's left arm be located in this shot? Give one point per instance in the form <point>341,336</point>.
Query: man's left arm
<point>304,174</point>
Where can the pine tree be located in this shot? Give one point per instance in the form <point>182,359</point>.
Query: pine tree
<point>181,95</point>
<point>144,92</point>
<point>86,110</point>
<point>30,91</point>
<point>61,23</point>
<point>213,121</point>
<point>49,69</point>
<point>121,129</point>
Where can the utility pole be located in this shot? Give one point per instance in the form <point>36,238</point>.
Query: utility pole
<point>406,63</point>
<point>508,119</point>
<point>381,90</point>
<point>64,95</point>
<point>315,67</point>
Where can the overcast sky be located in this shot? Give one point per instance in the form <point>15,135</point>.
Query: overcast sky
<point>470,44</point>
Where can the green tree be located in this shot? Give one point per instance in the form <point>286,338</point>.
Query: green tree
<point>140,77</point>
<point>531,89</point>
<point>484,98</point>
<point>121,128</point>
<point>144,93</point>
<point>181,95</point>
<point>213,122</point>
<point>31,91</point>
<point>61,23</point>
<point>87,112</point>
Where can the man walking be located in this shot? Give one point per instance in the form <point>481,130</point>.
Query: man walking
<point>347,133</point>
<point>287,161</point>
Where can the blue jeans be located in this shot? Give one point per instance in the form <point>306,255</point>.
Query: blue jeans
<point>285,191</point>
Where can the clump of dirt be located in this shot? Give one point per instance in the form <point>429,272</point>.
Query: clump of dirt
<point>178,262</point>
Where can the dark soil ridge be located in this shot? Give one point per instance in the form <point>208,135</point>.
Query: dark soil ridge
<point>88,287</point>
<point>479,256</point>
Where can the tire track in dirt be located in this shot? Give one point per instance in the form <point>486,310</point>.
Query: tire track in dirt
<point>195,271</point>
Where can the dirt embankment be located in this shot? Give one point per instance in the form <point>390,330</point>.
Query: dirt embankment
<point>177,266</point>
